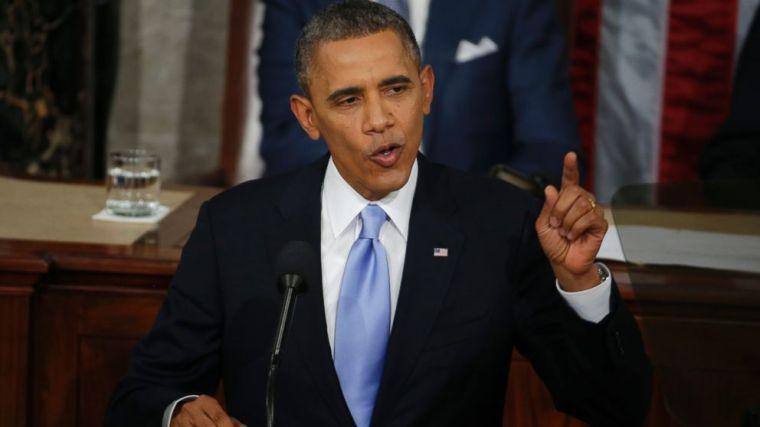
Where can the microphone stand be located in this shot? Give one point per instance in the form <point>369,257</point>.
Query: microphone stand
<point>291,284</point>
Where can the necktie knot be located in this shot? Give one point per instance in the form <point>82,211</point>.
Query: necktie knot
<point>373,218</point>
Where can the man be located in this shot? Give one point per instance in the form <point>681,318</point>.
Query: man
<point>734,152</point>
<point>502,72</point>
<point>429,276</point>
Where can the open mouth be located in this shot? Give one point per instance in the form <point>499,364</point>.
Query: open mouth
<point>387,155</point>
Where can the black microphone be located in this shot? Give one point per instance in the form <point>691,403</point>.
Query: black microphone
<point>296,267</point>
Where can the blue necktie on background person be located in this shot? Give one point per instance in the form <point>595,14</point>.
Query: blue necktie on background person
<point>363,318</point>
<point>400,6</point>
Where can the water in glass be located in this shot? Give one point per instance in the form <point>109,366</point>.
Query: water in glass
<point>133,183</point>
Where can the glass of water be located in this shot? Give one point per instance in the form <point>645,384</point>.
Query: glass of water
<point>133,183</point>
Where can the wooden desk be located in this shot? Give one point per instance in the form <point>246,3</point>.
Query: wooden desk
<point>70,314</point>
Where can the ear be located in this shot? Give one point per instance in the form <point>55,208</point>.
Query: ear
<point>427,78</point>
<point>304,112</point>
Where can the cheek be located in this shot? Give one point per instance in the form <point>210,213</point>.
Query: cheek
<point>410,120</point>
<point>342,131</point>
<point>345,143</point>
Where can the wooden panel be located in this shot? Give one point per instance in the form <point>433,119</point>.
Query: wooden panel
<point>82,350</point>
<point>708,370</point>
<point>54,367</point>
<point>19,274</point>
<point>14,348</point>
<point>102,362</point>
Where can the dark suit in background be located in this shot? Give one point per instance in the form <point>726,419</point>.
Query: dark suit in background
<point>734,153</point>
<point>456,322</point>
<point>512,105</point>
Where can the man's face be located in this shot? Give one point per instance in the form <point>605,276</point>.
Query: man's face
<point>367,99</point>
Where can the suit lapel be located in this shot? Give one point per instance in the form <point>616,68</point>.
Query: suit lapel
<point>300,206</point>
<point>424,283</point>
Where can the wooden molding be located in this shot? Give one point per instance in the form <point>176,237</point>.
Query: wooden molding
<point>235,104</point>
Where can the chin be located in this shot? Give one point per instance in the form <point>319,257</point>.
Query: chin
<point>392,181</point>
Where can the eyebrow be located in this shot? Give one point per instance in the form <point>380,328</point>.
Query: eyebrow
<point>395,80</point>
<point>355,90</point>
<point>346,91</point>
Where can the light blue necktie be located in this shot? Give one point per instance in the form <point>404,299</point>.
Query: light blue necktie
<point>362,325</point>
<point>400,6</point>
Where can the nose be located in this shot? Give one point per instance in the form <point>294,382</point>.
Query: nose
<point>377,116</point>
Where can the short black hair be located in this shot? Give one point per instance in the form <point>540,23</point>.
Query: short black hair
<point>345,20</point>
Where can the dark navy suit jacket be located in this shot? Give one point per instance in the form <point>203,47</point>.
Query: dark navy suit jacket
<point>734,152</point>
<point>511,106</point>
<point>457,320</point>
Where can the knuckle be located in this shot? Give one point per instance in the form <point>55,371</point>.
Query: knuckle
<point>569,221</point>
<point>579,225</point>
<point>219,416</point>
<point>194,412</point>
<point>209,402</point>
<point>183,419</point>
<point>561,208</point>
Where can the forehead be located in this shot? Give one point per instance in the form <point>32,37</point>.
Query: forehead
<point>360,61</point>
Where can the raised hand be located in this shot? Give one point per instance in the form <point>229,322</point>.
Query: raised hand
<point>570,228</point>
<point>203,411</point>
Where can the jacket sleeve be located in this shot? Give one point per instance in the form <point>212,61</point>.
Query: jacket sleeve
<point>538,80</point>
<point>180,355</point>
<point>284,145</point>
<point>597,372</point>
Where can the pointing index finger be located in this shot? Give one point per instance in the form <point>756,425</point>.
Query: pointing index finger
<point>570,174</point>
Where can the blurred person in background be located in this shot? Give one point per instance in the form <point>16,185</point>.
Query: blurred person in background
<point>501,73</point>
<point>734,152</point>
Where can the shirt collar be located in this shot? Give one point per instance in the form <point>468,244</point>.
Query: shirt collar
<point>342,203</point>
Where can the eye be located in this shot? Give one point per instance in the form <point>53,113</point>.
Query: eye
<point>351,100</point>
<point>394,90</point>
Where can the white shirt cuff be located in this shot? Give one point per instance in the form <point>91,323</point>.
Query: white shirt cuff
<point>591,304</point>
<point>169,411</point>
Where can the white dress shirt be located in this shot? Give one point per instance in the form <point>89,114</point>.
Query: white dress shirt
<point>340,227</point>
<point>341,224</point>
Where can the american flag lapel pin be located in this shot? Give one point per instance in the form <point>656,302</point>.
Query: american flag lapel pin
<point>441,252</point>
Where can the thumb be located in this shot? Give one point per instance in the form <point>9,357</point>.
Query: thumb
<point>551,196</point>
